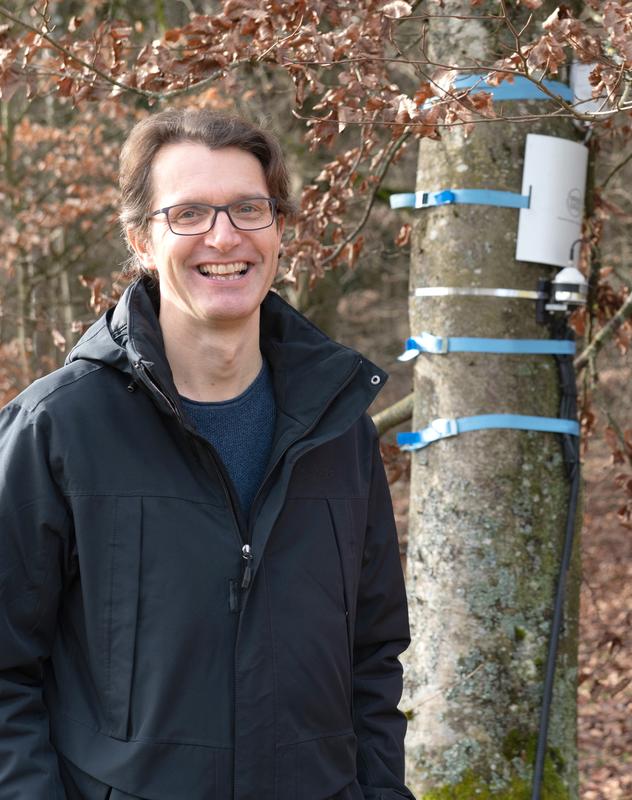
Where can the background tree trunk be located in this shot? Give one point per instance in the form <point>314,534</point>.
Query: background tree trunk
<point>67,309</point>
<point>488,508</point>
<point>21,321</point>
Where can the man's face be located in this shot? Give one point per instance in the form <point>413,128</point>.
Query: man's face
<point>192,173</point>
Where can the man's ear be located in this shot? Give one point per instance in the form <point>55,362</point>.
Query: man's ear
<point>280,224</point>
<point>141,245</point>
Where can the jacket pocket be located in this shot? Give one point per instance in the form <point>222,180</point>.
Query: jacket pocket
<point>310,629</point>
<point>122,612</point>
<point>340,527</point>
<point>318,768</point>
<point>78,785</point>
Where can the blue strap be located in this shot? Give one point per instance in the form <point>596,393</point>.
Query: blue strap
<point>483,197</point>
<point>427,343</point>
<point>520,89</point>
<point>443,428</point>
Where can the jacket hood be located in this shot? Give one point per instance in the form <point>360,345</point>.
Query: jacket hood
<point>309,368</point>
<point>126,333</point>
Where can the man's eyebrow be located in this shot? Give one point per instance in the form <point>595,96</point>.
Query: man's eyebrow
<point>235,199</point>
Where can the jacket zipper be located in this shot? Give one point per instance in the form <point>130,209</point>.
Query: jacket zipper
<point>150,383</point>
<point>247,555</point>
<point>270,471</point>
<point>246,551</point>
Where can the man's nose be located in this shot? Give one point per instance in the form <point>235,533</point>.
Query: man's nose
<point>223,235</point>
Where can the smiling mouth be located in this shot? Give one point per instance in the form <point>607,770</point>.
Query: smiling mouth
<point>224,272</point>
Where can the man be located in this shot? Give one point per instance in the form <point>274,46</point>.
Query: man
<point>201,590</point>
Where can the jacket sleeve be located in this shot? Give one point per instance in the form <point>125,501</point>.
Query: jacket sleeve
<point>381,634</point>
<point>33,519</point>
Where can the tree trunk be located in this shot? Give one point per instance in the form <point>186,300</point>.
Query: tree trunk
<point>488,508</point>
<point>21,332</point>
<point>67,309</point>
<point>320,302</point>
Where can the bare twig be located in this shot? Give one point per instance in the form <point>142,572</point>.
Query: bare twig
<point>445,16</point>
<point>625,448</point>
<point>605,334</point>
<point>616,169</point>
<point>73,259</point>
<point>422,124</point>
<point>354,167</point>
<point>279,42</point>
<point>390,154</point>
<point>526,25</point>
<point>516,35</point>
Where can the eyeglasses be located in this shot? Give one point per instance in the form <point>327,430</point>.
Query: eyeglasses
<point>191,219</point>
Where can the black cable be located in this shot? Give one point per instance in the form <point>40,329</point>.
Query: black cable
<point>556,627</point>
<point>570,444</point>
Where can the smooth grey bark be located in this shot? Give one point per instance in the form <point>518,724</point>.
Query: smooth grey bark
<point>488,508</point>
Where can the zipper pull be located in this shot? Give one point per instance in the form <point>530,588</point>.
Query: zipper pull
<point>247,555</point>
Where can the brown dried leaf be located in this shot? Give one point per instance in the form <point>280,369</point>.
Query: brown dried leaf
<point>424,92</point>
<point>396,462</point>
<point>65,87</point>
<point>10,82</point>
<point>561,12</point>
<point>577,321</point>
<point>612,440</point>
<point>617,20</point>
<point>620,686</point>
<point>407,109</point>
<point>483,103</point>
<point>546,55</point>
<point>59,340</point>
<point>443,81</point>
<point>624,515</point>
<point>397,9</point>
<point>612,640</point>
<point>403,237</point>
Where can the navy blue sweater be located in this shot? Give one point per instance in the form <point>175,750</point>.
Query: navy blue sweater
<point>241,430</point>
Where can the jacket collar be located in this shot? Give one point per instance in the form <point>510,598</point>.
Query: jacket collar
<point>309,369</point>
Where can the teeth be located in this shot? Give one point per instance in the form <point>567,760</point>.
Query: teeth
<point>223,269</point>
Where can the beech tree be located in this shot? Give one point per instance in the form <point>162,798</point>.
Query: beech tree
<point>365,83</point>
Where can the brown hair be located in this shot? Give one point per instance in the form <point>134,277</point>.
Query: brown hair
<point>192,125</point>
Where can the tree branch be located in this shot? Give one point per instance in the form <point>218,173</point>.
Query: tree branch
<point>605,334</point>
<point>279,42</point>
<point>394,415</point>
<point>410,126</point>
<point>61,49</point>
<point>516,35</point>
<point>146,93</point>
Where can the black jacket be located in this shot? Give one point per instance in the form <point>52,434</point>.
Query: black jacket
<point>134,634</point>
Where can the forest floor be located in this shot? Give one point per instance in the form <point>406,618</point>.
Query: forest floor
<point>605,654</point>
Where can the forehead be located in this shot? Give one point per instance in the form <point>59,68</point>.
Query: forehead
<point>192,171</point>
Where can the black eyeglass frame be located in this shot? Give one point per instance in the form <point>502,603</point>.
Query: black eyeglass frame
<point>217,209</point>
